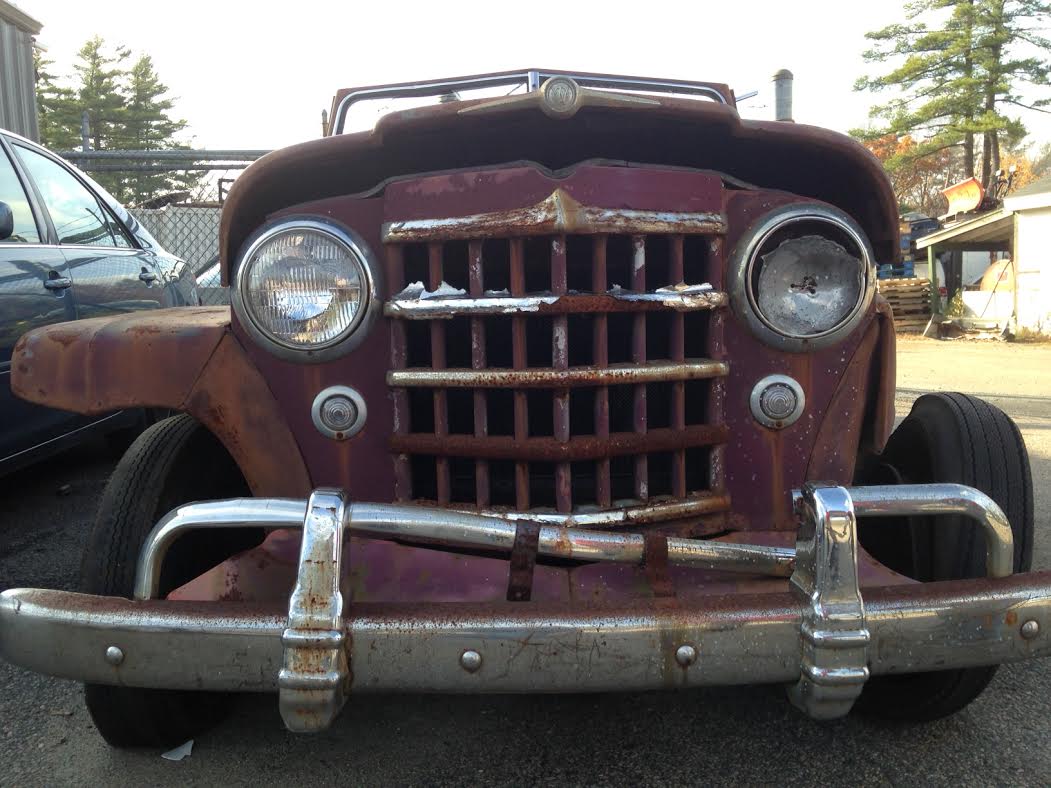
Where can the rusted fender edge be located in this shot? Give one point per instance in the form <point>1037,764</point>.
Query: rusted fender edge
<point>852,419</point>
<point>183,359</point>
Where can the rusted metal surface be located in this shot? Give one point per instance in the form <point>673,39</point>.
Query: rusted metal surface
<point>560,449</point>
<point>836,447</point>
<point>97,365</point>
<point>883,419</point>
<point>600,355</point>
<point>105,364</point>
<point>522,563</point>
<point>554,646</point>
<point>810,162</point>
<point>560,363</point>
<point>612,375</point>
<point>624,514</point>
<point>417,305</point>
<point>476,276</point>
<point>557,214</point>
<point>638,356</point>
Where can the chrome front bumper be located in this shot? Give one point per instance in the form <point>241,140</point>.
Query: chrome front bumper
<point>821,637</point>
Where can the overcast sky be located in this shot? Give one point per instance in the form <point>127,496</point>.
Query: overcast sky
<point>257,75</point>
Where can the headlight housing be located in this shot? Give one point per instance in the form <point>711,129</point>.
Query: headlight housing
<point>803,276</point>
<point>306,288</point>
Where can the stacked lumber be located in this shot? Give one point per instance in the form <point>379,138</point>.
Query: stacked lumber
<point>911,301</point>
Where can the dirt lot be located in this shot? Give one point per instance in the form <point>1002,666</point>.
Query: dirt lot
<point>746,735</point>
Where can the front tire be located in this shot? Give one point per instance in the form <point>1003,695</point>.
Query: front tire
<point>959,439</point>
<point>172,462</point>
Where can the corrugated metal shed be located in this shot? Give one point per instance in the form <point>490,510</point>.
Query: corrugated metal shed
<point>17,78</point>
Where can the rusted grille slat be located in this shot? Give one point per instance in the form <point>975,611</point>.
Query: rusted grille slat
<point>441,403</point>
<point>481,421</point>
<point>716,350</point>
<point>548,449</point>
<point>537,378</point>
<point>638,355</point>
<point>600,358</point>
<point>520,361</point>
<point>560,360</point>
<point>411,306</point>
<point>678,390</point>
<point>398,360</point>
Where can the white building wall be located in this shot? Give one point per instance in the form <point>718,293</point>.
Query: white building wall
<point>1033,260</point>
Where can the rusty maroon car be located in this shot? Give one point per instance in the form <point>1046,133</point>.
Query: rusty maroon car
<point>582,388</point>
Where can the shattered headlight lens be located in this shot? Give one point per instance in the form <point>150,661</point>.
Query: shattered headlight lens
<point>304,286</point>
<point>802,276</point>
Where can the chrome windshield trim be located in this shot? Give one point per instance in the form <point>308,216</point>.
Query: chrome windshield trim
<point>531,79</point>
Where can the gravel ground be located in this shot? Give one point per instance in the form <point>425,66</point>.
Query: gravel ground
<point>732,736</point>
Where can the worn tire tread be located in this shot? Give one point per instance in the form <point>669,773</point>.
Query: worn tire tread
<point>968,441</point>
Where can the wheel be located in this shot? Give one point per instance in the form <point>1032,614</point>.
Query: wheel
<point>960,439</point>
<point>172,462</point>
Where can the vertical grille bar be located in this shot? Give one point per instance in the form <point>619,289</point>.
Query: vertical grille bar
<point>600,357</point>
<point>399,360</point>
<point>441,403</point>
<point>716,350</point>
<point>519,360</point>
<point>638,353</point>
<point>678,390</point>
<point>560,360</point>
<point>481,413</point>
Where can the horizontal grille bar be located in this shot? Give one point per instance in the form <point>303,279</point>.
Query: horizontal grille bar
<point>558,214</point>
<point>578,447</point>
<point>421,307</point>
<point>542,377</point>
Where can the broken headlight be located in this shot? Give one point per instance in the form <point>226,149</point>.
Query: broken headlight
<point>803,276</point>
<point>304,288</point>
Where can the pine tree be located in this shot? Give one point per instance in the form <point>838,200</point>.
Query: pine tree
<point>128,109</point>
<point>958,76</point>
<point>99,91</point>
<point>57,112</point>
<point>148,125</point>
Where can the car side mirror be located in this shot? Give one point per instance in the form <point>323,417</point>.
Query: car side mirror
<point>7,221</point>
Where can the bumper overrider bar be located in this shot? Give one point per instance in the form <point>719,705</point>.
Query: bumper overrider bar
<point>821,636</point>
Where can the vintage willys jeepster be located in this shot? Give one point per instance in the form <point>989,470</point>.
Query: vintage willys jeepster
<point>582,388</point>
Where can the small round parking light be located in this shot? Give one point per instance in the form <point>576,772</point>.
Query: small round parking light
<point>777,401</point>
<point>338,412</point>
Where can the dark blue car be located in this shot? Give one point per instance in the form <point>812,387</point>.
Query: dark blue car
<point>68,251</point>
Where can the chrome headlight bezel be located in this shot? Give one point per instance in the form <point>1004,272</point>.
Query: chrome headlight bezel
<point>369,271</point>
<point>745,259</point>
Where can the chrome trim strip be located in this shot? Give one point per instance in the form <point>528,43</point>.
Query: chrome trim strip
<point>531,79</point>
<point>542,377</point>
<point>315,675</point>
<point>557,214</point>
<point>835,637</point>
<point>924,499</point>
<point>535,647</point>
<point>427,307</point>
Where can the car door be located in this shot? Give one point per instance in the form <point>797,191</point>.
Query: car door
<point>35,290</point>
<point>110,273</point>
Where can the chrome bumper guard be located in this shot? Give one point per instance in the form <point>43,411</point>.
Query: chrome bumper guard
<point>821,637</point>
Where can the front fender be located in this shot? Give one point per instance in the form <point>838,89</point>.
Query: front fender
<point>184,359</point>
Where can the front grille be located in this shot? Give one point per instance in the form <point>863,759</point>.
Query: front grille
<point>565,373</point>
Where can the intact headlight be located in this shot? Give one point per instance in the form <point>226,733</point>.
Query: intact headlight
<point>803,276</point>
<point>306,288</point>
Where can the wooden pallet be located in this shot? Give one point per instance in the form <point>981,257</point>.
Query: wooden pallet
<point>910,300</point>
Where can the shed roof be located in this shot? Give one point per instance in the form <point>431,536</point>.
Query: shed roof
<point>14,15</point>
<point>992,228</point>
<point>1036,195</point>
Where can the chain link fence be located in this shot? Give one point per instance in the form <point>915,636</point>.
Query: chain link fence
<point>177,195</point>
